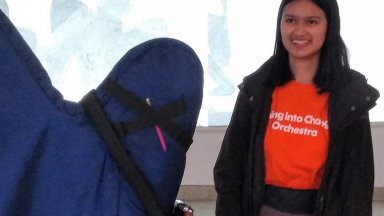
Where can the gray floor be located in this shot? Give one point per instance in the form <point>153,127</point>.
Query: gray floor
<point>207,208</point>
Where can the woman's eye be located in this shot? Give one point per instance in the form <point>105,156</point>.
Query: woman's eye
<point>312,22</point>
<point>289,20</point>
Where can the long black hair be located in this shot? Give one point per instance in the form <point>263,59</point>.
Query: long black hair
<point>333,70</point>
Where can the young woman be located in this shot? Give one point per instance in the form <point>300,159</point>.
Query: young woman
<point>299,141</point>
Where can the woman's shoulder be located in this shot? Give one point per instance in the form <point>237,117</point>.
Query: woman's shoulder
<point>259,78</point>
<point>359,82</point>
<point>357,94</point>
<point>261,74</point>
<point>357,77</point>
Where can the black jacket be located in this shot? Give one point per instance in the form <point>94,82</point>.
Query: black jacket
<point>347,185</point>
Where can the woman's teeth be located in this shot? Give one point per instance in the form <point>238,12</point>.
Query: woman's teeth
<point>300,41</point>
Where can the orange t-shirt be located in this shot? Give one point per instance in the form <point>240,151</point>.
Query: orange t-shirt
<point>296,141</point>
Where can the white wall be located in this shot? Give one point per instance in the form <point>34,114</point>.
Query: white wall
<point>202,155</point>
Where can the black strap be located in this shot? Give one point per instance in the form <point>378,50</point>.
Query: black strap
<point>131,172</point>
<point>290,200</point>
<point>171,110</point>
<point>148,114</point>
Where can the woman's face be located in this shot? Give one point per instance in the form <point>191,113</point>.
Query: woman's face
<point>303,29</point>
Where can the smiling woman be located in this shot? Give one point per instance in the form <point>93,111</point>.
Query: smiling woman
<point>299,140</point>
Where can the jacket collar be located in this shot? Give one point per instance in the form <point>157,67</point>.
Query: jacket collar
<point>352,101</point>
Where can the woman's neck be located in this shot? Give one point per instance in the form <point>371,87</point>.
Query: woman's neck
<point>304,70</point>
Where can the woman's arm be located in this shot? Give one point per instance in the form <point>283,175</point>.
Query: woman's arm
<point>230,166</point>
<point>357,170</point>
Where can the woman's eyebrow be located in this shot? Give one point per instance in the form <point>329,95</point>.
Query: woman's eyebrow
<point>304,17</point>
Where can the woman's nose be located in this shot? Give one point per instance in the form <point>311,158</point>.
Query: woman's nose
<point>300,30</point>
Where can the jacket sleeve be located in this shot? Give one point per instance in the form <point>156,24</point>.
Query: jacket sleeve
<point>357,174</point>
<point>230,166</point>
